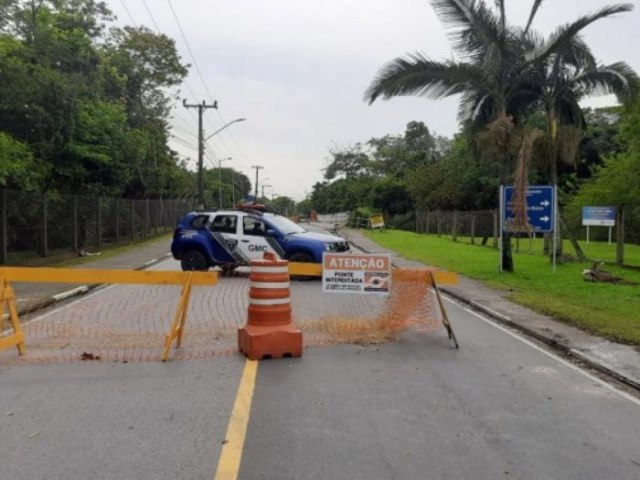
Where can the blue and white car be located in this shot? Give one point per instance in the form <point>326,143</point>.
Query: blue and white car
<point>230,238</point>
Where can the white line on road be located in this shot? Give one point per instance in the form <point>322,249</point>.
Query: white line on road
<point>623,394</point>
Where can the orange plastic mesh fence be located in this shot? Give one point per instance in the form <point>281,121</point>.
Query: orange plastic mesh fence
<point>129,322</point>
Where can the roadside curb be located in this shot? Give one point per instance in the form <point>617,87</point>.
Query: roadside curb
<point>567,350</point>
<point>45,302</point>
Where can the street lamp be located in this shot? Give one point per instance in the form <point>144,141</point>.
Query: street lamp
<point>263,187</point>
<point>263,181</point>
<point>201,141</point>
<point>223,127</point>
<point>220,160</point>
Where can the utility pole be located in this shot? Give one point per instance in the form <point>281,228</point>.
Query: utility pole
<point>220,179</point>
<point>201,108</point>
<point>258,168</point>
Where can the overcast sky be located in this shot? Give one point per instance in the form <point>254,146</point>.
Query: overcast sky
<point>297,71</point>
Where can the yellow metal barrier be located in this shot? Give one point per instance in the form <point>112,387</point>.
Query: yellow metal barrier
<point>8,299</point>
<point>315,270</point>
<point>96,276</point>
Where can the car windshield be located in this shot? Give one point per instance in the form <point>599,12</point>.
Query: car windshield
<point>285,225</point>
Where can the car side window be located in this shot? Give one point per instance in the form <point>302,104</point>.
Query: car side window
<point>253,226</point>
<point>224,224</point>
<point>199,221</point>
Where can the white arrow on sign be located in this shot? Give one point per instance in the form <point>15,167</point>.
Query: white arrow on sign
<point>545,219</point>
<point>546,203</point>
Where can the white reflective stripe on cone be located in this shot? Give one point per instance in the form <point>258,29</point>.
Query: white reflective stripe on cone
<point>269,285</point>
<point>284,269</point>
<point>269,301</point>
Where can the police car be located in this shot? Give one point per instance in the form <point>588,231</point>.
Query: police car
<point>230,238</point>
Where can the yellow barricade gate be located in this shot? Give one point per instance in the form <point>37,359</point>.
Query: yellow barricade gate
<point>96,276</point>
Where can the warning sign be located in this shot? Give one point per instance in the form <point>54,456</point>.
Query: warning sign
<point>377,221</point>
<point>361,273</point>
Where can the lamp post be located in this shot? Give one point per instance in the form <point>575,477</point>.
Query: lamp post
<point>220,180</point>
<point>200,168</point>
<point>263,187</point>
<point>223,127</point>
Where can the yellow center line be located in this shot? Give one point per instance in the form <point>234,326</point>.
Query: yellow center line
<point>229,463</point>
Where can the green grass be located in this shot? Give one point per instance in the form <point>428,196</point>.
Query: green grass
<point>611,311</point>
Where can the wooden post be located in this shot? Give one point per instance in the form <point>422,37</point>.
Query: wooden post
<point>3,228</point>
<point>45,240</point>
<point>454,226</point>
<point>147,221</point>
<point>117,200</point>
<point>133,221</point>
<point>473,228</point>
<point>439,222</point>
<point>98,222</point>
<point>75,224</point>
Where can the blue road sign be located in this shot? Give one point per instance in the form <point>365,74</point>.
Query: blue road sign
<point>599,216</point>
<point>540,209</point>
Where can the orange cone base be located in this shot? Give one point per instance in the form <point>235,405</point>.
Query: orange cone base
<point>260,343</point>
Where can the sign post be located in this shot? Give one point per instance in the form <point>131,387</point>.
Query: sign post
<point>599,217</point>
<point>541,212</point>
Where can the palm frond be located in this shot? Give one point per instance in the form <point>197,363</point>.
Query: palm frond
<point>534,9</point>
<point>577,53</point>
<point>618,79</point>
<point>475,106</point>
<point>472,26</point>
<point>568,110</point>
<point>417,75</point>
<point>563,35</point>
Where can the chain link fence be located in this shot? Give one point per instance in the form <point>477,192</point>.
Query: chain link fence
<point>480,226</point>
<point>36,225</point>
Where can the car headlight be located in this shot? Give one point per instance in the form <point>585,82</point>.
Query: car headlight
<point>330,247</point>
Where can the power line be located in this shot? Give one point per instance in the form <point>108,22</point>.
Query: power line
<point>151,15</point>
<point>193,57</point>
<point>129,13</point>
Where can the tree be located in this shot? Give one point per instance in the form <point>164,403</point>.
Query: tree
<point>618,181</point>
<point>489,75</point>
<point>564,73</point>
<point>18,168</point>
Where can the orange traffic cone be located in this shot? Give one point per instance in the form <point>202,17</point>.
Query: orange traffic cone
<point>269,332</point>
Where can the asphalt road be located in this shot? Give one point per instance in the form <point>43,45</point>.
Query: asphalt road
<point>500,407</point>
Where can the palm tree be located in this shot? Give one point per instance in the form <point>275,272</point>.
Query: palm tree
<point>498,74</point>
<point>565,72</point>
<point>488,75</point>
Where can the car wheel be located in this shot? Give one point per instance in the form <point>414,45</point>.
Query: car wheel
<point>227,270</point>
<point>193,260</point>
<point>301,257</point>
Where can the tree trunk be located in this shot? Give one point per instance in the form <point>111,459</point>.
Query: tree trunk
<point>574,241</point>
<point>553,164</point>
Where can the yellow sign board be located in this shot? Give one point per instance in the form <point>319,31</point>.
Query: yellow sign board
<point>377,221</point>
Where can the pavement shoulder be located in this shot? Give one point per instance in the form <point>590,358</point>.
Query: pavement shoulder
<point>618,360</point>
<point>32,297</point>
